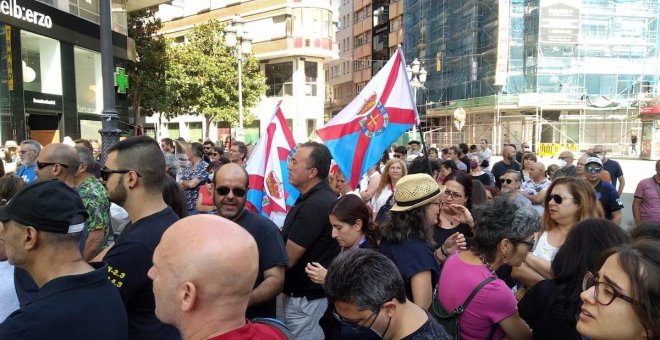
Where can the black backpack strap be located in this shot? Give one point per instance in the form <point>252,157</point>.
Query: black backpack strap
<point>461,308</point>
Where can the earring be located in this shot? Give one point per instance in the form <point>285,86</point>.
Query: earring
<point>505,259</point>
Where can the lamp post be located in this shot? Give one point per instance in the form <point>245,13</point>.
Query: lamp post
<point>417,77</point>
<point>110,124</point>
<point>236,37</point>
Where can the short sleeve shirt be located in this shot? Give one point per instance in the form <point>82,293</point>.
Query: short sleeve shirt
<point>271,253</point>
<point>27,173</point>
<point>95,199</point>
<point>492,304</point>
<point>609,198</point>
<point>83,306</point>
<point>614,168</point>
<point>128,262</point>
<point>411,256</point>
<point>307,224</point>
<point>252,331</point>
<point>648,191</point>
<point>197,172</point>
<point>430,330</point>
<point>532,188</point>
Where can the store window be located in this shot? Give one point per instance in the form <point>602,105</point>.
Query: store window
<point>42,67</point>
<point>89,84</point>
<point>279,79</point>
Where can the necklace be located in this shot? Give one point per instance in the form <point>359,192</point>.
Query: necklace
<point>483,260</point>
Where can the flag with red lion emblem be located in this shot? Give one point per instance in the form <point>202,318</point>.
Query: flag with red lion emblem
<point>269,189</point>
<point>381,113</point>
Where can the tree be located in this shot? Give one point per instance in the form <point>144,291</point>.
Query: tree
<point>202,77</point>
<point>147,75</point>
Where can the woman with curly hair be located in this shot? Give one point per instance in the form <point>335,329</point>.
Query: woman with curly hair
<point>407,236</point>
<point>503,233</point>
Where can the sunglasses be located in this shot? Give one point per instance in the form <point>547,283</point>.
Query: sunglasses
<point>506,180</point>
<point>215,154</point>
<point>224,191</point>
<point>593,169</point>
<point>105,172</point>
<point>557,198</point>
<point>529,243</point>
<point>42,165</point>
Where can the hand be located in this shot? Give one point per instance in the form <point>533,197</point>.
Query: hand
<point>316,272</point>
<point>454,243</point>
<point>461,214</point>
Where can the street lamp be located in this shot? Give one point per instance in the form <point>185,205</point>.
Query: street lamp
<point>236,37</point>
<point>417,77</point>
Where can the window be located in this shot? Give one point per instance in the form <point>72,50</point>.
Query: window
<point>89,85</point>
<point>42,67</point>
<point>279,79</point>
<point>311,74</point>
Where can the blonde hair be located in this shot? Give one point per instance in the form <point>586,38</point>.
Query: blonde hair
<point>385,176</point>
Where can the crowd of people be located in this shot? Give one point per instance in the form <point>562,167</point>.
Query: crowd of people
<point>160,242</point>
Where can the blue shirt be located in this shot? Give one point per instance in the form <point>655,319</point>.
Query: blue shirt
<point>27,173</point>
<point>411,256</point>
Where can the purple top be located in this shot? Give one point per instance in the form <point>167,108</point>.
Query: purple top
<point>649,209</point>
<point>492,304</point>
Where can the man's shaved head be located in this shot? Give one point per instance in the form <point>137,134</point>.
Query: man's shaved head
<point>204,265</point>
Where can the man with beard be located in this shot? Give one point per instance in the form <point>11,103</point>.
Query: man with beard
<point>231,185</point>
<point>133,173</point>
<point>510,182</point>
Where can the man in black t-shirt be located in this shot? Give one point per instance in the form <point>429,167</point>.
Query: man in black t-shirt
<point>134,173</point>
<point>307,234</point>
<point>231,185</point>
<point>367,289</point>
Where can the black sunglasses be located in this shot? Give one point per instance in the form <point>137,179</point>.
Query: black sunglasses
<point>558,199</point>
<point>529,243</point>
<point>105,172</point>
<point>507,180</point>
<point>42,165</point>
<point>224,191</point>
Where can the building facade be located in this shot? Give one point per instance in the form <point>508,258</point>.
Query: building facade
<point>292,39</point>
<point>50,73</point>
<point>340,89</point>
<point>573,73</point>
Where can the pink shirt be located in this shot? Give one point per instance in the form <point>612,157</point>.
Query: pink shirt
<point>649,209</point>
<point>492,304</point>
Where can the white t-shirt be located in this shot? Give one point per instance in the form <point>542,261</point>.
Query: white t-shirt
<point>8,298</point>
<point>378,202</point>
<point>544,249</point>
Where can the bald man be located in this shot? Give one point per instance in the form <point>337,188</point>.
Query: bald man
<point>231,184</point>
<point>508,162</point>
<point>566,167</point>
<point>203,271</point>
<point>536,186</point>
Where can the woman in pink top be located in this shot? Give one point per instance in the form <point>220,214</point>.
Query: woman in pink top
<point>503,233</point>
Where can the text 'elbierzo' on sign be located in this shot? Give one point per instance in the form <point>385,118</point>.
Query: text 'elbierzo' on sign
<point>11,8</point>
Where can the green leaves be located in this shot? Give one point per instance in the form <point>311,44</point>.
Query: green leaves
<point>202,77</point>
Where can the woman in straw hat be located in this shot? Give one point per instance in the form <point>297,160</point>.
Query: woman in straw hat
<point>407,236</point>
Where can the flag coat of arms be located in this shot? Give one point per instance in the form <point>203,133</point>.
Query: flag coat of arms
<point>381,113</point>
<point>269,188</point>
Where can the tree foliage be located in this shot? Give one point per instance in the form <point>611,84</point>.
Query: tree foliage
<point>202,77</point>
<point>147,91</point>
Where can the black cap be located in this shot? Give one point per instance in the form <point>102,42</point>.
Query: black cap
<point>49,206</point>
<point>414,142</point>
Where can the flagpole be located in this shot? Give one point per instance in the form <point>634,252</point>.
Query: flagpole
<point>426,150</point>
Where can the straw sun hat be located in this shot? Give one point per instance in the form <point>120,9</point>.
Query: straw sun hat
<point>414,191</point>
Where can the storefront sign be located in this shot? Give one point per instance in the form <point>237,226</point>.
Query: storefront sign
<point>10,62</point>
<point>42,101</point>
<point>13,9</point>
<point>648,110</point>
<point>121,80</point>
<point>559,22</point>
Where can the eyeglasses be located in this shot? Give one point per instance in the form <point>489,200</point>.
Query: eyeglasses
<point>593,169</point>
<point>529,243</point>
<point>207,147</point>
<point>557,198</point>
<point>105,172</point>
<point>454,195</point>
<point>42,165</point>
<point>604,292</point>
<point>215,154</point>
<point>506,180</point>
<point>398,155</point>
<point>355,325</point>
<point>26,151</point>
<point>224,191</point>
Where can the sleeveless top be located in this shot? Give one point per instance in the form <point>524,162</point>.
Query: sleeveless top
<point>544,249</point>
